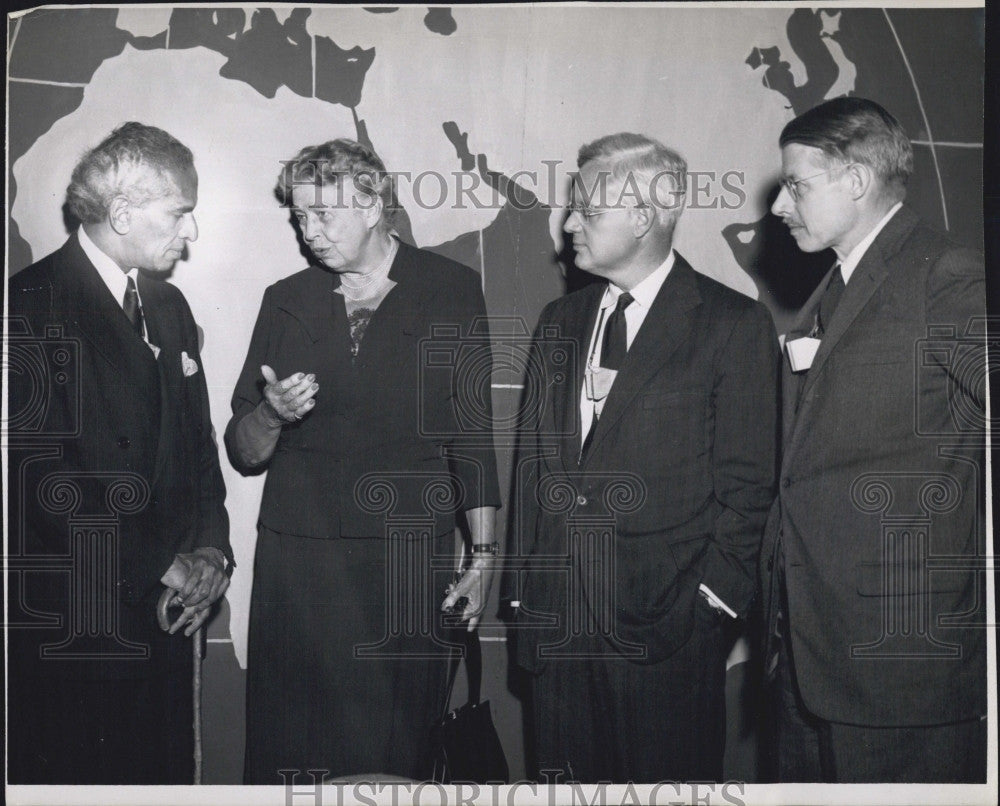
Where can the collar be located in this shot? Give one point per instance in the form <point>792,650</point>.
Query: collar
<point>645,292</point>
<point>110,272</point>
<point>850,263</point>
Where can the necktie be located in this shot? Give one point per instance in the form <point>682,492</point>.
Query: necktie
<point>616,335</point>
<point>613,350</point>
<point>830,299</point>
<point>132,308</point>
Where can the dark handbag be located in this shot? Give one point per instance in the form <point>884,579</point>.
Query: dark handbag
<point>466,742</point>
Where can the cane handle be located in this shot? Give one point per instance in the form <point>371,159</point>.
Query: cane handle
<point>161,609</point>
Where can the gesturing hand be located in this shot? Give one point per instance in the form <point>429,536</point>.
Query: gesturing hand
<point>289,399</point>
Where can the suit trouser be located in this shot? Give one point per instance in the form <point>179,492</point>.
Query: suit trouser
<point>810,749</point>
<point>605,718</point>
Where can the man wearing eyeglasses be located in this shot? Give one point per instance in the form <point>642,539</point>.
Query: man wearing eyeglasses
<point>872,560</point>
<point>643,486</point>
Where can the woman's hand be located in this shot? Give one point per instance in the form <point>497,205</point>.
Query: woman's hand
<point>474,586</point>
<point>290,399</point>
<point>475,583</point>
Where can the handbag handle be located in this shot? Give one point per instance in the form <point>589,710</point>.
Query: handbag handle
<point>473,665</point>
<point>473,668</point>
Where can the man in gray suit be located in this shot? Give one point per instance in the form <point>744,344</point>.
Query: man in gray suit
<point>873,555</point>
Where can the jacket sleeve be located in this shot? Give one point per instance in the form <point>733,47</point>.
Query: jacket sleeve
<point>249,388</point>
<point>213,521</point>
<point>466,411</point>
<point>744,455</point>
<point>526,471</point>
<point>956,305</point>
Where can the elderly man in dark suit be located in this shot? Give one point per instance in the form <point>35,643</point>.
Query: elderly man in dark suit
<point>643,485</point>
<point>115,489</point>
<point>873,556</point>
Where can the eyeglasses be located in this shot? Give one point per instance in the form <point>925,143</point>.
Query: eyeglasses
<point>587,213</point>
<point>792,185</point>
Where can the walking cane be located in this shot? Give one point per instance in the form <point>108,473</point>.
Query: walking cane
<point>164,621</point>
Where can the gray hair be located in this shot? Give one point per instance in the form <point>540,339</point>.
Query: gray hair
<point>330,163</point>
<point>642,162</point>
<point>136,161</point>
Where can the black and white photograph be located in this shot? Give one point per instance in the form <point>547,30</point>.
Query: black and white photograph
<point>321,486</point>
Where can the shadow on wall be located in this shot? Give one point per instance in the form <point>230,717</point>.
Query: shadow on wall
<point>785,276</point>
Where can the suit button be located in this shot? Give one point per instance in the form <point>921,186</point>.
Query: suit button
<point>581,500</point>
<point>786,483</point>
<point>770,563</point>
<point>124,443</point>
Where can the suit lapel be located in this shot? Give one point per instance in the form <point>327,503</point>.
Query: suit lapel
<point>578,324</point>
<point>162,329</point>
<point>665,328</point>
<point>81,295</point>
<point>161,323</point>
<point>806,318</point>
<point>868,276</point>
<point>792,382</point>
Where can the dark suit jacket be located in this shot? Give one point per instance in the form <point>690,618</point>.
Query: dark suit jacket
<point>682,462</point>
<point>105,437</point>
<point>881,483</point>
<point>409,409</point>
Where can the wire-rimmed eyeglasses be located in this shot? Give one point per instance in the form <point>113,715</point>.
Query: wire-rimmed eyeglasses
<point>792,185</point>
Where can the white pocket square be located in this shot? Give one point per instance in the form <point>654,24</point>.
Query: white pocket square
<point>189,365</point>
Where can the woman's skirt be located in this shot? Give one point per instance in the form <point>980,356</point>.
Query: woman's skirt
<point>347,656</point>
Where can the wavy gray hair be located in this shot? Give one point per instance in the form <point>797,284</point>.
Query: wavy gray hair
<point>136,161</point>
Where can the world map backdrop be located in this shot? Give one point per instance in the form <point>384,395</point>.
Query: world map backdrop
<point>481,111</point>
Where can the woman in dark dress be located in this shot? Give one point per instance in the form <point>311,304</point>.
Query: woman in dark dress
<point>371,464</point>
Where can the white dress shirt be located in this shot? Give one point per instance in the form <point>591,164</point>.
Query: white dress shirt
<point>635,314</point>
<point>850,263</point>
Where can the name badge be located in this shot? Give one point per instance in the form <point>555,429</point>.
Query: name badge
<point>801,352</point>
<point>599,381</point>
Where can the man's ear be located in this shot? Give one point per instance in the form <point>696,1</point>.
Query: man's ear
<point>642,216</point>
<point>861,177</point>
<point>120,215</point>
